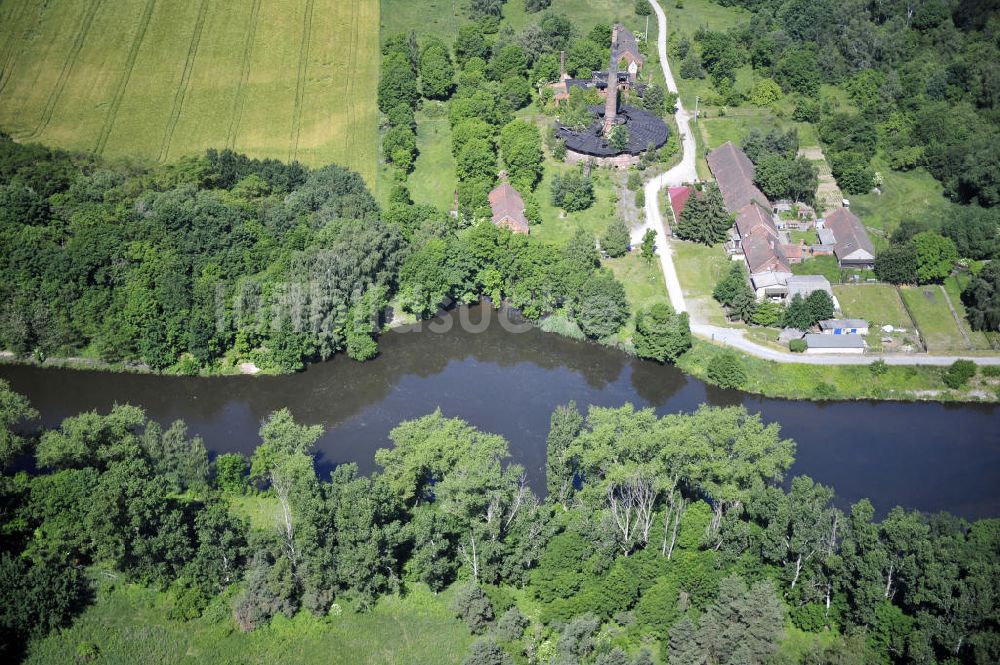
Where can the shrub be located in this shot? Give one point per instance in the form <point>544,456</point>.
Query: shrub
<point>511,625</point>
<point>991,371</point>
<point>824,390</point>
<point>726,370</point>
<point>810,617</point>
<point>959,373</point>
<point>616,239</point>
<point>797,345</point>
<point>879,367</point>
<point>472,606</point>
<point>487,652</point>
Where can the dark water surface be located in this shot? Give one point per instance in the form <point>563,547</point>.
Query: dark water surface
<point>919,455</point>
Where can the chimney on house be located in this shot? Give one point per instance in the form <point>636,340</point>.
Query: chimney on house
<point>611,99</point>
<point>562,66</point>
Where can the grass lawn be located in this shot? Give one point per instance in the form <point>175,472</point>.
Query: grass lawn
<point>158,81</point>
<point>699,268</point>
<point>129,625</point>
<point>433,179</point>
<point>262,512</point>
<point>585,14</point>
<point>443,18</point>
<point>954,285</point>
<point>643,282</point>
<point>933,318</point>
<point>819,265</point>
<point>735,128</point>
<point>558,226</point>
<point>797,381</point>
<point>910,195</point>
<point>879,304</point>
<point>808,236</point>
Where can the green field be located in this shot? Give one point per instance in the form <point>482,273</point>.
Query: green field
<point>905,195</point>
<point>934,319</point>
<point>157,80</point>
<point>699,268</point>
<point>879,304</point>
<point>799,381</point>
<point>954,285</point>
<point>129,625</point>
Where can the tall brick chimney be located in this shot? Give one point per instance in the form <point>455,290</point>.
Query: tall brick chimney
<point>562,65</point>
<point>611,100</point>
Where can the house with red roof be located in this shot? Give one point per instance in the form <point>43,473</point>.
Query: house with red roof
<point>508,209</point>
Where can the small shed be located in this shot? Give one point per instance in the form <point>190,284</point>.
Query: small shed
<point>820,344</point>
<point>843,327</point>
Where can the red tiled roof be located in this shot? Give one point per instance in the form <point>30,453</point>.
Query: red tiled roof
<point>508,208</point>
<point>752,216</point>
<point>763,252</point>
<point>792,252</point>
<point>678,199</point>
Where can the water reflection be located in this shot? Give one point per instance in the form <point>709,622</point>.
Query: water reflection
<point>927,456</point>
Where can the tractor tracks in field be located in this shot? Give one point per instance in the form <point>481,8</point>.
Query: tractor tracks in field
<point>300,84</point>
<point>352,81</point>
<point>133,53</point>
<point>182,87</point>
<point>67,69</point>
<point>8,48</point>
<point>239,101</point>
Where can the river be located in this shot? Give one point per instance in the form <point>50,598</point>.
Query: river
<point>925,456</point>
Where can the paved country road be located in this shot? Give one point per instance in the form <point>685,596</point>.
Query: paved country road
<point>685,172</point>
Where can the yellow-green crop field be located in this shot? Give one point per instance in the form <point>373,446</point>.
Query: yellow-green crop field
<point>160,79</point>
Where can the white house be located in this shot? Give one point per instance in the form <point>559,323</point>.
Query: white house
<point>820,344</point>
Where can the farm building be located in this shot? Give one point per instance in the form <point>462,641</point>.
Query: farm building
<point>852,246</point>
<point>734,172</point>
<point>843,327</point>
<point>755,234</point>
<point>678,199</point>
<point>819,344</point>
<point>644,130</point>
<point>626,68</point>
<point>508,209</point>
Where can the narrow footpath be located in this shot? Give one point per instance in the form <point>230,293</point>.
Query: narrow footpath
<point>686,172</point>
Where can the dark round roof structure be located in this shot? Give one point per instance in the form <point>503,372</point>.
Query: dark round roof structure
<point>644,130</point>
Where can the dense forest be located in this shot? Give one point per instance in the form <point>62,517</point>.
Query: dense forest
<point>219,259</point>
<point>667,538</point>
<point>924,76</point>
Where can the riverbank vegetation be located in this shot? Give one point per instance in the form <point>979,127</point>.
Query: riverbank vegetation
<point>664,540</point>
<point>219,260</point>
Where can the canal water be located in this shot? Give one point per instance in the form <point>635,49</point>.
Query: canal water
<point>924,456</point>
